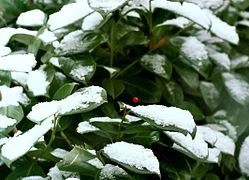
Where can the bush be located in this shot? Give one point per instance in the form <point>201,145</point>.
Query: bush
<point>124,89</point>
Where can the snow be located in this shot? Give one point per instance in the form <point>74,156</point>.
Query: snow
<point>193,49</point>
<point>47,36</point>
<point>4,51</point>
<point>166,116</point>
<point>6,122</point>
<point>244,14</point>
<point>197,146</point>
<point>34,17</point>
<point>243,23</point>
<point>180,22</point>
<point>222,29</point>
<point>86,127</point>
<point>24,142</point>
<point>55,61</point>
<point>71,42</point>
<point>239,62</point>
<point>96,163</point>
<point>237,87</point>
<point>106,5</point>
<point>244,156</point>
<point>232,132</point>
<point>214,155</point>
<point>212,4</point>
<point>131,118</point>
<point>80,72</point>
<point>33,178</point>
<point>81,100</point>
<point>207,134</point>
<point>12,96</point>
<point>133,155</point>
<point>221,59</point>
<point>91,21</point>
<point>20,77</point>
<point>18,62</point>
<point>7,32</point>
<point>155,62</point>
<point>55,173</point>
<point>185,9</point>
<point>109,172</point>
<point>205,36</point>
<point>59,153</point>
<point>69,14</point>
<point>37,82</point>
<point>105,119</point>
<point>43,110</point>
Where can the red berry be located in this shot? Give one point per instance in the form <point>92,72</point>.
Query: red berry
<point>135,99</point>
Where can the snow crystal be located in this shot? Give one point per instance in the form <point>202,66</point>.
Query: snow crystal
<point>20,77</point>
<point>24,141</point>
<point>166,116</point>
<point>109,172</point>
<point>55,62</point>
<point>194,49</point>
<point>34,17</point>
<point>214,155</point>
<point>59,153</point>
<point>131,118</point>
<point>180,22</point>
<point>37,82</point>
<point>47,36</point>
<point>106,5</point>
<point>4,51</point>
<point>7,32</point>
<point>196,146</point>
<point>18,62</point>
<point>81,100</point>
<point>69,14</point>
<point>6,122</point>
<point>221,59</point>
<point>43,110</point>
<point>96,162</point>
<point>244,156</point>
<point>134,155</point>
<point>12,96</point>
<point>91,21</point>
<point>80,72</point>
<point>237,87</point>
<point>105,119</point>
<point>86,127</point>
<point>185,9</point>
<point>213,4</point>
<point>156,62</point>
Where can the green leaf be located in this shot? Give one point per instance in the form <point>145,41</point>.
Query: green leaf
<point>23,38</point>
<point>210,94</point>
<point>158,64</point>
<point>64,91</point>
<point>144,138</point>
<point>133,38</point>
<point>81,69</point>
<point>113,87</point>
<point>14,112</point>
<point>237,87</point>
<point>5,78</point>
<point>193,108</point>
<point>146,90</point>
<point>76,161</point>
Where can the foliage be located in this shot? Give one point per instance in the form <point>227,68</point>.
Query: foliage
<point>164,82</point>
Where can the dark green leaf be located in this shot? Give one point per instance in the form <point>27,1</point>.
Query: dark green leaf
<point>64,91</point>
<point>15,112</point>
<point>113,87</point>
<point>5,78</point>
<point>133,38</point>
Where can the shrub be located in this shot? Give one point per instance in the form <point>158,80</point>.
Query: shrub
<point>121,89</point>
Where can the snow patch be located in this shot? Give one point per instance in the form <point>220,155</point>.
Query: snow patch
<point>180,22</point>
<point>80,72</point>
<point>47,36</point>
<point>86,127</point>
<point>4,51</point>
<point>6,122</point>
<point>34,17</point>
<point>91,21</point>
<point>244,156</point>
<point>109,172</point>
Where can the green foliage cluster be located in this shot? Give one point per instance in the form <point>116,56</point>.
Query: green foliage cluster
<point>135,60</point>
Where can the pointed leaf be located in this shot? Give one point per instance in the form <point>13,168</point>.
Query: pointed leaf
<point>113,87</point>
<point>64,91</point>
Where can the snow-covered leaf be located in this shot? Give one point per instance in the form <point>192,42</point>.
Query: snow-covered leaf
<point>220,59</point>
<point>208,4</point>
<point>133,157</point>
<point>214,155</point>
<point>6,124</point>
<point>91,21</point>
<point>240,62</point>
<point>158,64</point>
<point>166,118</point>
<point>180,22</point>
<point>47,36</point>
<point>106,5</point>
<point>69,14</point>
<point>196,147</point>
<point>14,112</point>
<point>31,18</point>
<point>18,62</point>
<point>110,172</point>
<point>24,142</point>
<point>20,78</point>
<point>4,51</point>
<point>243,156</point>
<point>237,87</point>
<point>86,127</point>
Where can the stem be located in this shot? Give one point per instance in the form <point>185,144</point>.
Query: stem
<point>121,124</point>
<point>53,134</point>
<point>66,139</point>
<point>125,69</point>
<point>111,44</point>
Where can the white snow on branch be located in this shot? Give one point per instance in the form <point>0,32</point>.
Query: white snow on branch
<point>18,62</point>
<point>69,14</point>
<point>31,18</point>
<point>12,96</point>
<point>133,155</point>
